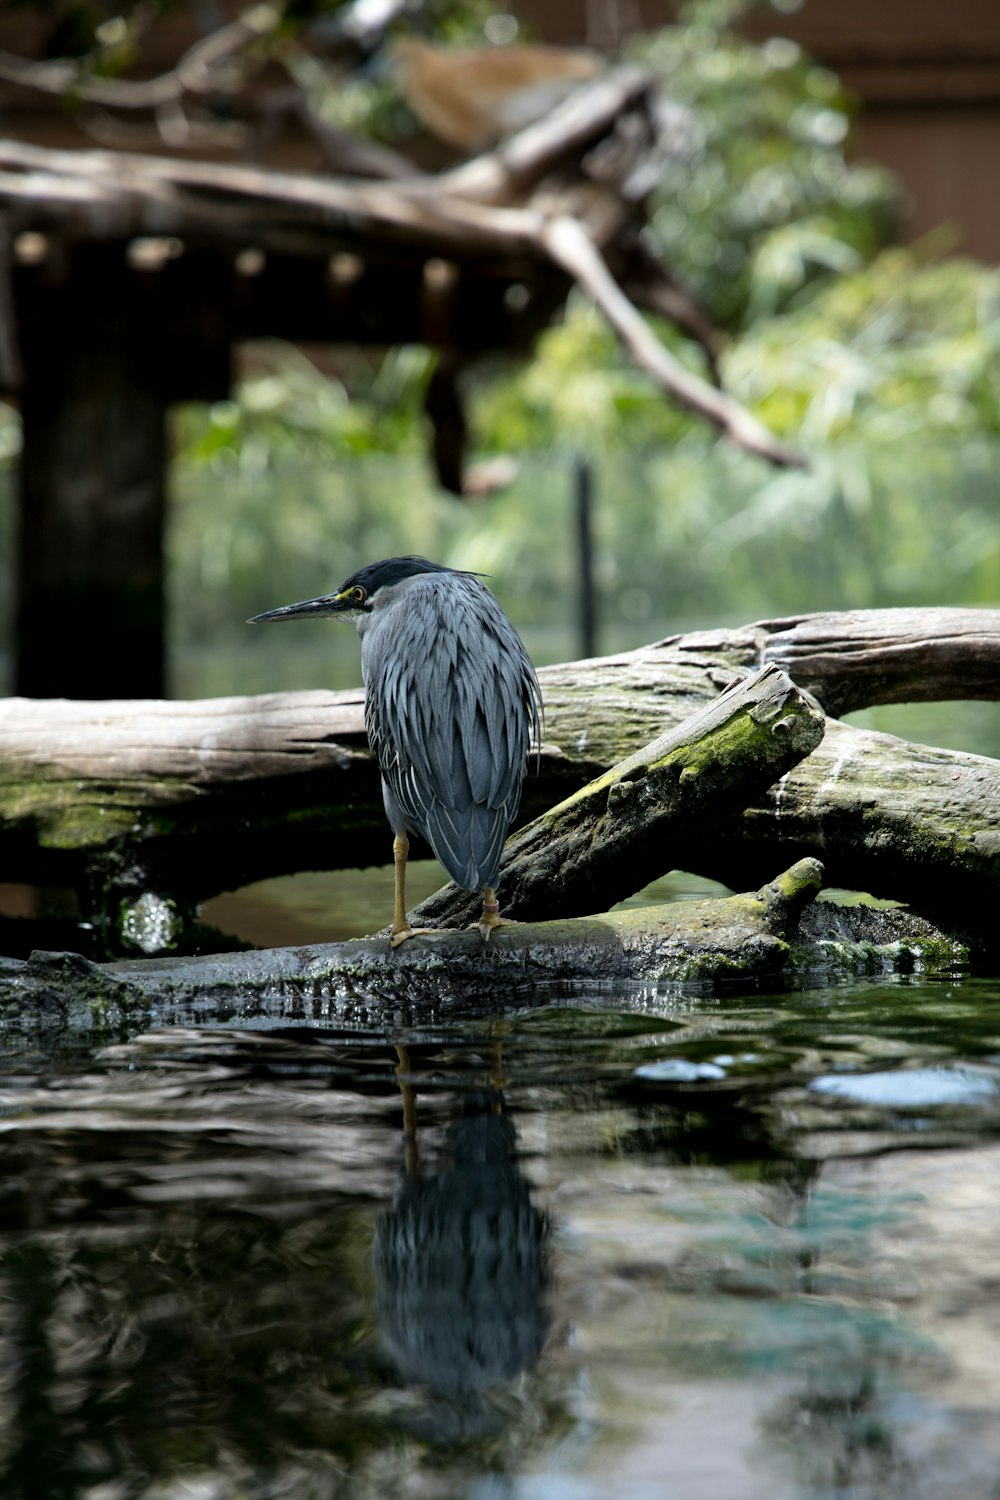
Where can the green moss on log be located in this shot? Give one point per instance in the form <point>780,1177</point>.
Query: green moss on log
<point>66,813</point>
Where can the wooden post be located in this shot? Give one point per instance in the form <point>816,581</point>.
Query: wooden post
<point>90,591</point>
<point>106,346</point>
<point>584,489</point>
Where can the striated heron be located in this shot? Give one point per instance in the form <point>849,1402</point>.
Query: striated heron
<point>452,709</point>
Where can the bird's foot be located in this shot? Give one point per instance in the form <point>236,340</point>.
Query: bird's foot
<point>486,925</point>
<point>491,917</point>
<point>402,934</point>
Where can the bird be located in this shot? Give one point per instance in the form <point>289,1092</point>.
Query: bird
<point>473,96</point>
<point>452,709</point>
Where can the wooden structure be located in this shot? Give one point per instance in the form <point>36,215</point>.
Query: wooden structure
<point>927,81</point>
<point>926,77</point>
<point>127,280</point>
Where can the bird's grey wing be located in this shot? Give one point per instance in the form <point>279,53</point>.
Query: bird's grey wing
<point>451,713</point>
<point>486,743</point>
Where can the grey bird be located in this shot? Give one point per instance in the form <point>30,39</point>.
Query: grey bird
<point>452,710</point>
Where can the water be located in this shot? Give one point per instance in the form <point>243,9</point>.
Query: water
<point>654,1244</point>
<point>329,906</point>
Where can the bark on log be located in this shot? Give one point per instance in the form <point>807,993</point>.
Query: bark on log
<point>899,820</point>
<point>207,795</point>
<point>865,657</point>
<point>773,933</point>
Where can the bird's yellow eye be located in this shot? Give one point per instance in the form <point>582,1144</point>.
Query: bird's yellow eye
<point>358,594</point>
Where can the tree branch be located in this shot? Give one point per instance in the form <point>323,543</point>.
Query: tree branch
<point>192,73</point>
<point>510,209</point>
<point>571,247</point>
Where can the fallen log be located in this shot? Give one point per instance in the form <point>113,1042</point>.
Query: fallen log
<point>606,843</point>
<point>775,934</point>
<point>113,799</point>
<point>864,657</point>
<point>849,660</point>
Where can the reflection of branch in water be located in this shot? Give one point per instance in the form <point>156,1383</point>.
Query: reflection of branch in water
<point>461,1258</point>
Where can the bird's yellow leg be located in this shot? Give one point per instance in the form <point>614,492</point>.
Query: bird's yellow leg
<point>401,929</point>
<point>400,849</point>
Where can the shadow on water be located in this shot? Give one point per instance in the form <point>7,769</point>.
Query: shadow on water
<point>649,1244</point>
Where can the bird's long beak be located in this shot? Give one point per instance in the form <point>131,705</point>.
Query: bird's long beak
<point>327,604</point>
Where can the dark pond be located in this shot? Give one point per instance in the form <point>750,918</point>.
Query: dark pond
<point>641,1244</point>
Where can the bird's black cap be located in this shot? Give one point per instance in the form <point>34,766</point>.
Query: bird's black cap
<point>391,570</point>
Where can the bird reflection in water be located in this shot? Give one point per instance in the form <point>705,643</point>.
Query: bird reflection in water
<point>461,1259</point>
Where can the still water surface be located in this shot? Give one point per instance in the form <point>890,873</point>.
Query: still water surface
<point>630,1242</point>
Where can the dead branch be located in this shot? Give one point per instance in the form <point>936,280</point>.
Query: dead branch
<point>344,154</point>
<point>567,131</point>
<point>572,248</point>
<point>653,288</point>
<point>532,210</point>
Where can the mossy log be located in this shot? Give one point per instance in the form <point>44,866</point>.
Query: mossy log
<point>203,796</point>
<point>775,934</point>
<point>618,833</point>
<point>910,822</point>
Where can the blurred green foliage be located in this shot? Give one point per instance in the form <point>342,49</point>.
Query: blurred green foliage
<point>887,377</point>
<point>900,347</point>
<point>761,204</point>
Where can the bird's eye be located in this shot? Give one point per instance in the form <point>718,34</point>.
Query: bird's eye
<point>358,594</point>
